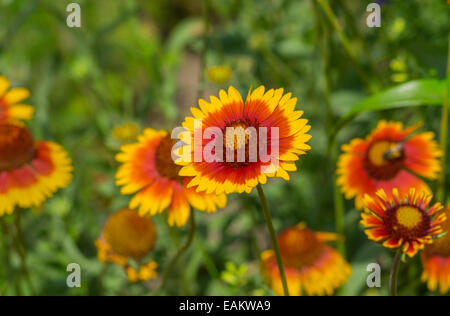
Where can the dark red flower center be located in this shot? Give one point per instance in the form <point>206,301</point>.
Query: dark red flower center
<point>299,247</point>
<point>407,222</point>
<point>163,158</point>
<point>16,147</point>
<point>384,159</point>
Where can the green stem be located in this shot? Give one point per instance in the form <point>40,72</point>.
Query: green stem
<point>394,273</point>
<point>444,131</point>
<point>21,250</point>
<point>273,237</point>
<point>180,252</point>
<point>345,42</point>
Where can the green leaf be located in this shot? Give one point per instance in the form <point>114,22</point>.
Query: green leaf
<point>412,93</point>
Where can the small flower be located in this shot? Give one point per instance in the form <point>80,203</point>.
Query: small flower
<point>148,171</point>
<point>270,111</point>
<point>219,74</point>
<point>30,171</point>
<point>128,237</point>
<point>436,260</point>
<point>390,157</point>
<point>11,110</point>
<point>402,221</point>
<point>310,265</point>
<point>127,132</point>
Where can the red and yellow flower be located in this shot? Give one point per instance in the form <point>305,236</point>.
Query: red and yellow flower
<point>270,111</point>
<point>30,171</point>
<point>11,110</point>
<point>311,266</point>
<point>405,221</point>
<point>128,237</point>
<point>436,260</point>
<point>390,157</point>
<point>149,172</point>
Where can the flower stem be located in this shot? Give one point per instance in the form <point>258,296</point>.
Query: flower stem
<point>444,131</point>
<point>180,252</point>
<point>394,273</point>
<point>21,250</point>
<point>273,237</point>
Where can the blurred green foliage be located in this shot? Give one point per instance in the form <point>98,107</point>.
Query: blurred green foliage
<point>139,61</point>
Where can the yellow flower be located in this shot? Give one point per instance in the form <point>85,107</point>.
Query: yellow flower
<point>11,110</point>
<point>126,132</point>
<point>128,236</point>
<point>219,74</point>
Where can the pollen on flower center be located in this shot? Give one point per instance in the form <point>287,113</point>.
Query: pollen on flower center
<point>299,247</point>
<point>408,216</point>
<point>16,147</point>
<point>384,159</point>
<point>407,222</point>
<point>236,136</point>
<point>163,157</point>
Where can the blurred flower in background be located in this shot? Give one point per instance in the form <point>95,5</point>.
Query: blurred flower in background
<point>126,132</point>
<point>311,266</point>
<point>148,171</point>
<point>30,171</point>
<point>11,110</point>
<point>128,237</point>
<point>436,260</point>
<point>390,157</point>
<point>219,74</point>
<point>404,221</point>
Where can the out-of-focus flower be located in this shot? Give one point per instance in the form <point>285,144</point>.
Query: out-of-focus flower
<point>436,260</point>
<point>248,132</point>
<point>11,110</point>
<point>405,221</point>
<point>311,266</point>
<point>148,171</point>
<point>127,132</point>
<point>30,171</point>
<point>128,236</point>
<point>219,74</point>
<point>390,157</point>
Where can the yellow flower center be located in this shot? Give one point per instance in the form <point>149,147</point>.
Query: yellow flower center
<point>129,234</point>
<point>16,147</point>
<point>236,136</point>
<point>408,216</point>
<point>163,157</point>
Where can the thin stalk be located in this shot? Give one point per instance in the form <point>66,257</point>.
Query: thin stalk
<point>180,252</point>
<point>345,42</point>
<point>394,273</point>
<point>444,131</point>
<point>273,237</point>
<point>21,250</point>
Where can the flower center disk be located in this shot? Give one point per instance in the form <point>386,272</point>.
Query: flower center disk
<point>16,147</point>
<point>163,158</point>
<point>407,222</point>
<point>384,159</point>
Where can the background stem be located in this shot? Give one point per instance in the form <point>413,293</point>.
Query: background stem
<point>273,237</point>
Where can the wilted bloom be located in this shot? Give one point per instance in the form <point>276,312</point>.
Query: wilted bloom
<point>219,74</point>
<point>11,110</point>
<point>128,236</point>
<point>148,171</point>
<point>261,138</point>
<point>127,132</point>
<point>436,260</point>
<point>30,171</point>
<point>311,266</point>
<point>390,157</point>
<point>405,221</point>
